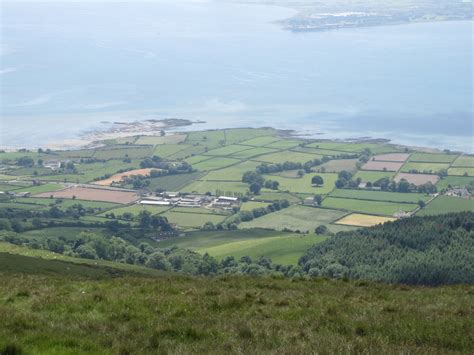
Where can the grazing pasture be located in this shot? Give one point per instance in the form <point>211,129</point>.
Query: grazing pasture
<point>455,181</point>
<point>281,157</point>
<point>250,205</point>
<point>447,204</point>
<point>234,135</point>
<point>215,163</point>
<point>228,188</point>
<point>379,195</point>
<point>260,141</point>
<point>369,207</point>
<point>281,247</point>
<point>338,165</point>
<point>232,173</point>
<point>461,171</point>
<point>121,152</point>
<point>227,150</point>
<point>417,179</point>
<point>373,176</point>
<point>93,194</point>
<point>209,137</point>
<point>464,161</point>
<point>65,203</point>
<point>252,152</point>
<point>337,146</point>
<point>269,196</point>
<point>294,218</point>
<point>395,157</point>
<point>382,165</point>
<point>197,159</point>
<point>284,144</point>
<point>165,151</point>
<point>303,184</point>
<point>135,209</point>
<point>430,168</point>
<point>363,220</point>
<point>192,220</point>
<point>155,140</point>
<point>432,157</point>
<point>324,152</point>
<point>41,188</point>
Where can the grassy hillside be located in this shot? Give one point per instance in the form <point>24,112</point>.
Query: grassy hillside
<point>57,307</point>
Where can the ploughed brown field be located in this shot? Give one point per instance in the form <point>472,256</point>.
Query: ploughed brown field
<point>382,165</point>
<point>93,194</point>
<point>417,179</point>
<point>396,157</point>
<point>119,177</point>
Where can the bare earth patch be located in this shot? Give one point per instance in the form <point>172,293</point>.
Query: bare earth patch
<point>382,165</point>
<point>417,179</point>
<point>363,220</point>
<point>121,176</point>
<point>93,194</point>
<point>395,157</point>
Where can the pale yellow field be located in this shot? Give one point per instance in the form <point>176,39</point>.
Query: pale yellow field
<point>363,220</point>
<point>121,176</point>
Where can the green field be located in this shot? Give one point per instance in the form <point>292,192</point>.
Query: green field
<point>155,140</point>
<point>64,203</point>
<point>197,159</point>
<point>164,151</point>
<point>282,248</point>
<point>120,152</point>
<point>215,163</point>
<point>296,217</point>
<point>373,176</point>
<point>250,205</point>
<point>227,150</point>
<point>228,188</point>
<point>432,158</point>
<point>303,185</point>
<point>446,204</point>
<point>269,196</point>
<point>136,209</point>
<point>253,152</point>
<point>327,152</point>
<point>281,157</point>
<point>424,167</point>
<point>235,135</point>
<point>232,173</point>
<point>338,165</point>
<point>455,181</point>
<point>192,220</point>
<point>284,144</point>
<point>380,195</point>
<point>461,171</point>
<point>464,161</point>
<point>41,188</point>
<point>370,207</point>
<point>260,141</point>
<point>211,138</point>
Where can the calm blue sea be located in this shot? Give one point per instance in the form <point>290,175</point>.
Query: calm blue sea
<point>67,67</point>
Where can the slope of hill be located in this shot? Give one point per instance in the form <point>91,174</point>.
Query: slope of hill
<point>57,307</point>
<point>421,250</point>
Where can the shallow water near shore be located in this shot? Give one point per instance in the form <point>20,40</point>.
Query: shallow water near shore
<point>65,68</point>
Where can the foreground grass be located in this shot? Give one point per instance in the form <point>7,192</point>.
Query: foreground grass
<point>71,312</point>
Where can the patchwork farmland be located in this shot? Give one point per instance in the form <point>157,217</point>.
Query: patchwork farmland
<point>195,182</point>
